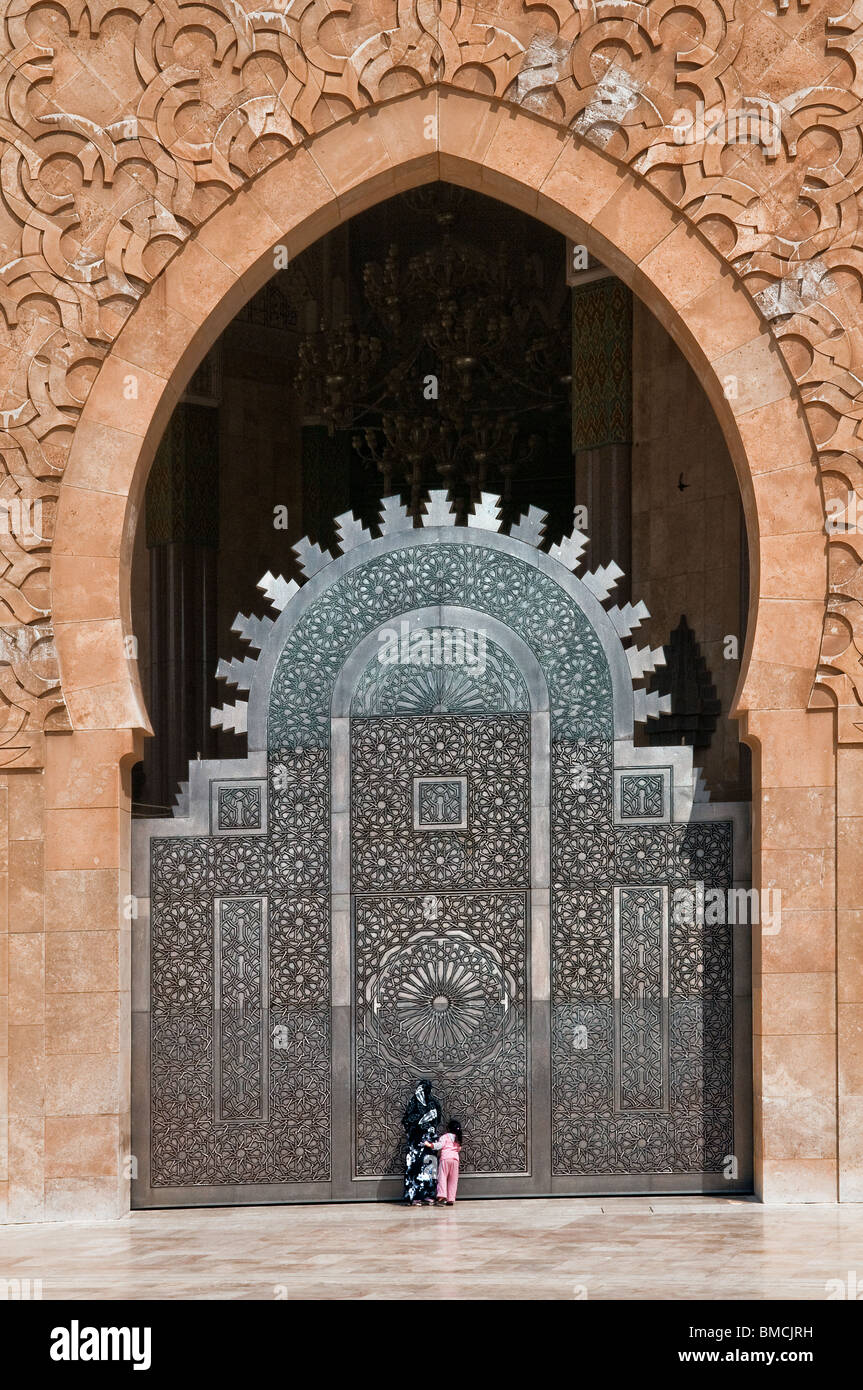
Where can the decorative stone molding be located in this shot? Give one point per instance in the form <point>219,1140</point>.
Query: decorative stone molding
<point>126,127</point>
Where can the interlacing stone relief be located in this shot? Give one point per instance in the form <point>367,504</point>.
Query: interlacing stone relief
<point>126,125</point>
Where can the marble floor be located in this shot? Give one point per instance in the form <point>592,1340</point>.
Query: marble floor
<point>565,1248</point>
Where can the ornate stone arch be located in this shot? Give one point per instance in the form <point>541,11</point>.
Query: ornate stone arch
<point>528,162</point>
<point>141,160</point>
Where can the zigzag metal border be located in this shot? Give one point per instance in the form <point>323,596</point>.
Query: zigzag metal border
<point>393,517</point>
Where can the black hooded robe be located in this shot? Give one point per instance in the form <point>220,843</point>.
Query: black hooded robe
<point>420,1122</point>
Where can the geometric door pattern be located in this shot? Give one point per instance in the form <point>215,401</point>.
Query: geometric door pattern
<point>636,1066</point>
<point>642,994</point>
<point>441,931</point>
<point>240,1007</point>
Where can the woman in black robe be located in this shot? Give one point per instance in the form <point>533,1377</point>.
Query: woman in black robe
<point>420,1121</point>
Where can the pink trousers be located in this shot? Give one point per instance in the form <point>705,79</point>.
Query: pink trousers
<point>447,1178</point>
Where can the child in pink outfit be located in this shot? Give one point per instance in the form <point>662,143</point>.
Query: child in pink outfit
<point>448,1149</point>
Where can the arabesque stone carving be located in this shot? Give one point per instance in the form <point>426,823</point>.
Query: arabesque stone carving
<point>124,126</point>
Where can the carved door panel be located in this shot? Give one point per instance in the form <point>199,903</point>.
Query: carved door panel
<point>239,1019</point>
<point>642,986</point>
<point>440,850</point>
<point>462,869</point>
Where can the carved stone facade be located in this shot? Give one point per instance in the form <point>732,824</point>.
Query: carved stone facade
<point>126,127</point>
<point>153,157</point>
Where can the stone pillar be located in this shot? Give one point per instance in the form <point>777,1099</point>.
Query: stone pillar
<point>64,834</point>
<point>794,968</point>
<point>182,537</point>
<point>22,996</point>
<point>849,962</point>
<point>602,418</point>
<point>4,999</point>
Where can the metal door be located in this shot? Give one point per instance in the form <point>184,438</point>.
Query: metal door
<point>440,862</point>
<point>465,873</point>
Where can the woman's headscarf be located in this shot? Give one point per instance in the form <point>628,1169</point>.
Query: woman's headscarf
<point>421,1105</point>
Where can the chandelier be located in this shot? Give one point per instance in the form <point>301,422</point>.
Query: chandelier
<point>454,367</point>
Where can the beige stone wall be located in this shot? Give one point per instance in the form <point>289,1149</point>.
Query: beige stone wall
<point>64,834</point>
<point>23,980</point>
<point>686,543</point>
<point>4,1000</point>
<point>849,957</point>
<point>795,969</point>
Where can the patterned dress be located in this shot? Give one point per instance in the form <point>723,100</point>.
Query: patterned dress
<point>420,1122</point>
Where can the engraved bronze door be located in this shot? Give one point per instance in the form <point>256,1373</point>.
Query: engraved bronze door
<point>441,854</point>
<point>441,869</point>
